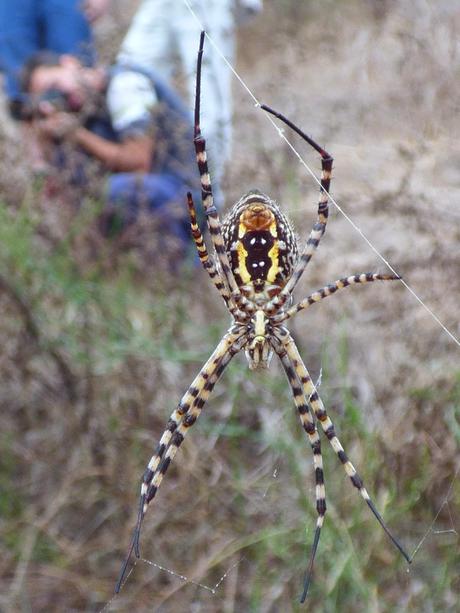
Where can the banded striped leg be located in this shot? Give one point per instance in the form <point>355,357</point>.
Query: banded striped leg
<point>328,290</point>
<point>208,264</point>
<point>206,187</point>
<point>306,419</point>
<point>177,426</point>
<point>319,227</point>
<point>212,216</point>
<point>328,428</point>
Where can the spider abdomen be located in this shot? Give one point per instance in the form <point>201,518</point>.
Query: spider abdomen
<point>260,244</point>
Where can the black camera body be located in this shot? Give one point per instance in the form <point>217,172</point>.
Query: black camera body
<point>28,106</point>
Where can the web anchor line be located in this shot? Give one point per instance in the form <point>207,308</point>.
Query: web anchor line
<point>185,579</point>
<point>211,589</point>
<point>116,595</point>
<point>281,134</point>
<point>430,530</point>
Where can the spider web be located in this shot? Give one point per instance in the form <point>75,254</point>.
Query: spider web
<point>444,504</point>
<point>182,578</point>
<point>215,589</point>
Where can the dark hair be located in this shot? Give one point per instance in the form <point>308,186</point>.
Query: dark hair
<point>24,105</point>
<point>41,58</point>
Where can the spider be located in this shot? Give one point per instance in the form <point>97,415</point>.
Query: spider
<point>256,267</point>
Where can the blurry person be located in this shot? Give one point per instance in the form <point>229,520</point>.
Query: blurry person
<point>143,139</point>
<point>29,26</point>
<point>164,31</point>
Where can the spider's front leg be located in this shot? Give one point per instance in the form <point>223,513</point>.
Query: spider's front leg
<point>212,217</point>
<point>207,197</point>
<point>328,427</point>
<point>210,266</point>
<point>319,227</point>
<point>177,427</point>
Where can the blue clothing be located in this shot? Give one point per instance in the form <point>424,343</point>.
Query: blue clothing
<point>29,26</point>
<point>130,193</point>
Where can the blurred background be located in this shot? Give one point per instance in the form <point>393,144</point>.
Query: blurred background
<point>100,338</point>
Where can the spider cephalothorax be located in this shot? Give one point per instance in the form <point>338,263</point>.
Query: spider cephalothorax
<point>259,350</point>
<point>261,246</point>
<point>255,268</point>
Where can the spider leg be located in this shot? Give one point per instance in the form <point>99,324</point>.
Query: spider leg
<point>177,426</point>
<point>308,424</point>
<point>207,198</point>
<point>208,382</point>
<point>209,265</point>
<point>318,228</point>
<point>328,290</point>
<point>329,430</point>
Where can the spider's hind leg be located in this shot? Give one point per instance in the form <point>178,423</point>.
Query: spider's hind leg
<point>177,427</point>
<point>308,424</point>
<point>329,430</point>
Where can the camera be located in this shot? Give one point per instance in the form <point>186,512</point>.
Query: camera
<point>28,106</point>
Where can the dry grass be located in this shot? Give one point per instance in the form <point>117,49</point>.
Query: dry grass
<point>98,343</point>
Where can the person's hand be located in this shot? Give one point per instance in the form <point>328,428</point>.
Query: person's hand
<point>93,9</point>
<point>59,125</point>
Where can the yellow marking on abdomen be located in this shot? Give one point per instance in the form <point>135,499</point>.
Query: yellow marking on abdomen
<point>242,269</point>
<point>274,268</point>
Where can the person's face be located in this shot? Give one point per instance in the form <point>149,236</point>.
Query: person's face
<point>69,77</point>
